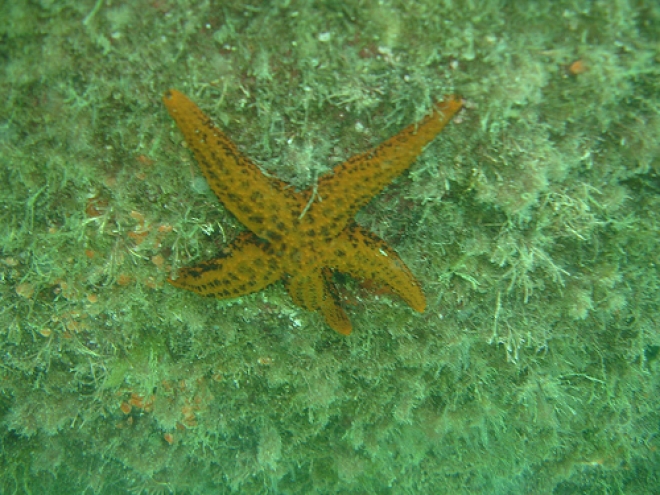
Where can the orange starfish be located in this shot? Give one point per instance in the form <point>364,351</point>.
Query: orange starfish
<point>301,237</point>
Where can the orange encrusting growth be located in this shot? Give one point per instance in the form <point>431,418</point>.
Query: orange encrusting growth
<point>302,247</point>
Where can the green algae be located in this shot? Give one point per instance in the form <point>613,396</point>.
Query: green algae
<point>532,223</point>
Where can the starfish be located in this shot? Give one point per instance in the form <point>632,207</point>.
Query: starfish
<point>301,237</point>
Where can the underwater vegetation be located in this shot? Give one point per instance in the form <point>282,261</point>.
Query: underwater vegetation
<point>531,224</point>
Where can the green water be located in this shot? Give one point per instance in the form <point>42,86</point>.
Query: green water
<point>532,224</point>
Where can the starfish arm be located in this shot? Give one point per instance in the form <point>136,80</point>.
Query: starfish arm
<point>266,206</point>
<point>247,268</point>
<point>315,291</point>
<point>364,255</point>
<point>353,183</point>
